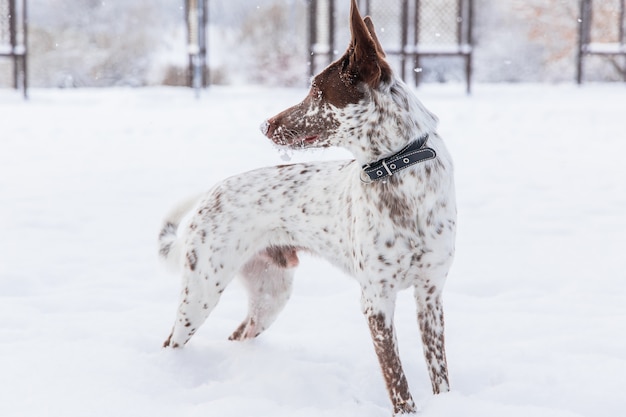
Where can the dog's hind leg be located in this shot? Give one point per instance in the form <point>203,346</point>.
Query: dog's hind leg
<point>431,323</point>
<point>378,306</point>
<point>199,296</point>
<point>268,279</point>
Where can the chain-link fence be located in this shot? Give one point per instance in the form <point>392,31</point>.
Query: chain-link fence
<point>606,21</point>
<point>428,40</point>
<point>5,24</point>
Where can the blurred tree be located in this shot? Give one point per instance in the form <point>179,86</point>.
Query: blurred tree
<point>274,44</point>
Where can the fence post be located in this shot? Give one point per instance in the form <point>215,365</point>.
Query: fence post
<point>196,18</point>
<point>582,35</point>
<point>312,35</point>
<point>14,26</point>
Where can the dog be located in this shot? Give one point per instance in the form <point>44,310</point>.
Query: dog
<point>387,217</point>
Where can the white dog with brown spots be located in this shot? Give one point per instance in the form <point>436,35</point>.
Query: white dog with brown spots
<point>387,218</point>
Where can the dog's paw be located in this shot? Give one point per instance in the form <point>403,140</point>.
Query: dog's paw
<point>405,408</point>
<point>239,331</point>
<point>169,344</point>
<point>246,330</point>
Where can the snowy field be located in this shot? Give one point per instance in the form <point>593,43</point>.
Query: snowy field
<point>535,302</point>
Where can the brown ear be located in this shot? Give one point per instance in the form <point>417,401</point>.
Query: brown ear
<point>370,27</point>
<point>366,62</point>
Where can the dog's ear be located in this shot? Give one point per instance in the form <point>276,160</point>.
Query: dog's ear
<point>370,27</point>
<point>367,63</point>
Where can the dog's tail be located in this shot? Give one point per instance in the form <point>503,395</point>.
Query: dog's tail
<point>169,242</point>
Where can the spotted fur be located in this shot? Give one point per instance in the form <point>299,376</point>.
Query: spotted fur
<point>389,235</point>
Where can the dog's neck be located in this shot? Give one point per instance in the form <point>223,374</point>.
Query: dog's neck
<point>388,124</point>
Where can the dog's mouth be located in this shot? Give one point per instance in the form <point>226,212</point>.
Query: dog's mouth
<point>290,138</point>
<point>298,142</point>
<point>310,140</point>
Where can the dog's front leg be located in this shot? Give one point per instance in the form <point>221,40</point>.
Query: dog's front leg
<point>378,307</point>
<point>430,319</point>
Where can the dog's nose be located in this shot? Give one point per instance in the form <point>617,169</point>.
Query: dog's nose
<point>265,127</point>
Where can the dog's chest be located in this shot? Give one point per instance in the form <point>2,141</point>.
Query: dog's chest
<point>403,228</point>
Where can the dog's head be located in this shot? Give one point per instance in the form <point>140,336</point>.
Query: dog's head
<point>326,117</point>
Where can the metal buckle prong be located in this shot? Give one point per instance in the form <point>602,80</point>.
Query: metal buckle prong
<point>387,168</point>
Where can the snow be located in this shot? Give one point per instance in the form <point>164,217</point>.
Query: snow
<point>535,302</point>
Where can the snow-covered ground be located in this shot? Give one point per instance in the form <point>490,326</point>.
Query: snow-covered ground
<point>535,303</point>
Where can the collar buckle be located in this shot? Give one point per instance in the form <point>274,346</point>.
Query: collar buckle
<point>414,153</point>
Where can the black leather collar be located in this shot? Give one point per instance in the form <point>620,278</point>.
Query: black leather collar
<point>414,153</point>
